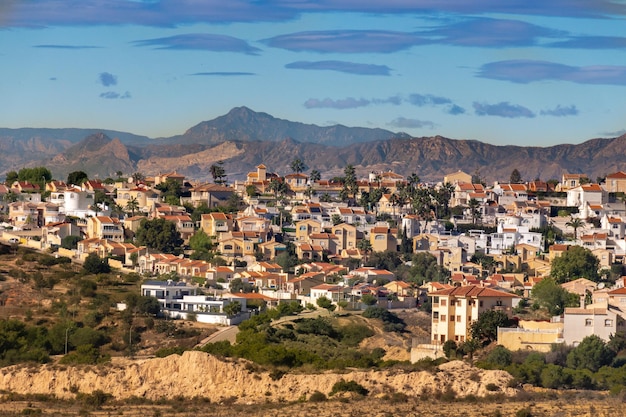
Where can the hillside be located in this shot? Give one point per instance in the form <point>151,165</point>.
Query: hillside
<point>244,138</point>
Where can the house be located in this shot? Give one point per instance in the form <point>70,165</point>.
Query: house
<point>271,249</point>
<point>171,176</point>
<point>569,181</point>
<point>306,227</point>
<point>602,320</point>
<point>457,177</point>
<point>370,274</point>
<point>383,238</point>
<point>616,182</point>
<point>53,233</point>
<point>586,195</point>
<point>104,227</point>
<point>184,225</point>
<point>297,182</point>
<point>454,309</point>
<point>345,235</point>
<point>213,195</point>
<point>335,293</point>
<point>215,224</point>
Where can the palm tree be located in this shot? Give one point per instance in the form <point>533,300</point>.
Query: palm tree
<point>575,223</point>
<point>474,205</point>
<point>297,165</point>
<point>132,205</point>
<point>365,246</point>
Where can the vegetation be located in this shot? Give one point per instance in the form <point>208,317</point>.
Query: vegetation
<point>159,234</point>
<point>576,262</point>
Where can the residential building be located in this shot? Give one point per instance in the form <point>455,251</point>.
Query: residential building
<point>104,227</point>
<point>454,309</point>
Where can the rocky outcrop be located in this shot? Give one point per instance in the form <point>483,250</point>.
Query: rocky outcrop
<point>197,374</point>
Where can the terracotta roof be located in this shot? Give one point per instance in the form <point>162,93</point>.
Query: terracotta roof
<point>473,291</point>
<point>617,175</point>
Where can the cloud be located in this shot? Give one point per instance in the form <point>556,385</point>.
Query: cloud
<point>341,66</point>
<point>404,123</point>
<point>526,71</point>
<point>487,32</point>
<point>67,46</point>
<point>560,111</point>
<point>111,95</point>
<point>615,134</point>
<point>201,41</point>
<point>346,103</point>
<point>181,12</point>
<point>591,42</point>
<point>107,79</point>
<point>502,109</point>
<point>455,110</point>
<point>347,41</point>
<point>223,74</point>
<point>427,100</point>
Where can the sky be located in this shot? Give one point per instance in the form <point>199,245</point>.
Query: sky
<point>521,72</point>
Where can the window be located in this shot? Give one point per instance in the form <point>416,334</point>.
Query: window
<point>436,315</point>
<point>608,323</point>
<point>588,322</point>
<point>443,317</point>
<point>443,303</point>
<point>480,304</point>
<point>458,319</point>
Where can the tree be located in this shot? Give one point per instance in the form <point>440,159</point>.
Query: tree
<point>77,177</point>
<point>315,175</point>
<point>364,246</point>
<point>159,234</point>
<point>516,177</point>
<point>70,242</point>
<point>132,205</point>
<point>200,241</point>
<point>218,173</point>
<point>575,263</point>
<point>474,206</point>
<point>575,223</point>
<point>326,303</point>
<point>277,187</point>
<point>297,166</point>
<point>96,265</point>
<point>336,219</point>
<point>485,329</point>
<point>232,309</point>
<point>350,186</point>
<point>592,353</point>
<point>369,299</point>
<point>548,294</point>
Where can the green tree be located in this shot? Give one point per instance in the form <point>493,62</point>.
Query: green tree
<point>70,242</point>
<point>297,166</point>
<point>77,177</point>
<point>315,175</point>
<point>325,302</point>
<point>516,177</point>
<point>577,262</point>
<point>474,207</point>
<point>369,299</point>
<point>485,329</point>
<point>232,309</point>
<point>201,242</point>
<point>548,294</point>
<point>575,223</point>
<point>336,219</point>
<point>159,234</point>
<point>95,265</point>
<point>591,353</point>
<point>132,205</point>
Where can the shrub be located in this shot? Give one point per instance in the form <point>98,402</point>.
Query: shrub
<point>524,412</point>
<point>492,387</point>
<point>94,400</point>
<point>317,397</point>
<point>348,386</point>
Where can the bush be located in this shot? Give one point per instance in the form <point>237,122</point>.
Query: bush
<point>94,400</point>
<point>317,397</point>
<point>348,386</point>
<point>492,387</point>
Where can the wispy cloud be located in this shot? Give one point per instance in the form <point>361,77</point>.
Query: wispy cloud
<point>560,111</point>
<point>486,32</point>
<point>107,79</point>
<point>341,66</point>
<point>347,41</point>
<point>222,74</point>
<point>201,41</point>
<point>615,134</point>
<point>502,109</point>
<point>404,123</point>
<point>591,42</point>
<point>427,100</point>
<point>346,103</point>
<point>112,95</point>
<point>180,12</point>
<point>67,46</point>
<point>526,71</point>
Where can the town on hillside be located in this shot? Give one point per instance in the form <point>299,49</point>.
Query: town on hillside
<point>459,249</point>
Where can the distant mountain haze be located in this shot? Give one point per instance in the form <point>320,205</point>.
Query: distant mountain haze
<point>243,139</point>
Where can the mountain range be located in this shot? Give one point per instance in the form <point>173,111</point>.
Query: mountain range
<point>243,139</point>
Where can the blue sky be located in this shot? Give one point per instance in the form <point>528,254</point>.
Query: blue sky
<point>524,72</point>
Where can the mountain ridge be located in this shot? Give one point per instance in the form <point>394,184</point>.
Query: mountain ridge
<point>233,139</point>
